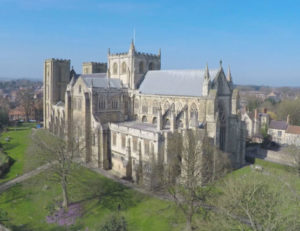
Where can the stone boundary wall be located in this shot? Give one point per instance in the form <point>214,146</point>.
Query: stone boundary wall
<point>278,156</point>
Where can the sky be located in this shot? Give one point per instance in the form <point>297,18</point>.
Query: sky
<point>259,39</point>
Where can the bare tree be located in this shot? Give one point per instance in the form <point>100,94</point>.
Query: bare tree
<point>193,166</point>
<point>294,153</point>
<point>4,108</point>
<point>25,98</point>
<point>254,201</point>
<point>59,154</point>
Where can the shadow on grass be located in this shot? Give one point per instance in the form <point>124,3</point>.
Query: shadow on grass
<point>28,227</point>
<point>10,145</point>
<point>110,195</point>
<point>16,193</point>
<point>18,129</point>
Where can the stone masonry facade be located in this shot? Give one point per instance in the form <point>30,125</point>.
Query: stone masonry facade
<point>125,111</point>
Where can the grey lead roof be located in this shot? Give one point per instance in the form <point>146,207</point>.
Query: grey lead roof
<point>139,125</point>
<point>175,82</point>
<point>101,80</point>
<point>279,125</point>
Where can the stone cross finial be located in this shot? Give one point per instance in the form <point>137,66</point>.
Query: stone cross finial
<point>221,63</point>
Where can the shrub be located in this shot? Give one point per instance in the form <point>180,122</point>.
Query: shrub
<point>115,222</point>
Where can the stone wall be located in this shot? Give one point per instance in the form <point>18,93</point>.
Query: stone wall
<point>278,156</point>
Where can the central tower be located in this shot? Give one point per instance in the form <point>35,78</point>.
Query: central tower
<point>132,66</point>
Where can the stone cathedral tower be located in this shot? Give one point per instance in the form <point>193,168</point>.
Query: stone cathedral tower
<point>56,79</point>
<point>132,66</point>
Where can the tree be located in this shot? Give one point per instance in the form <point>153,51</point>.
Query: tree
<point>38,109</point>
<point>25,98</point>
<point>253,103</point>
<point>255,202</point>
<point>291,108</point>
<point>4,107</point>
<point>195,163</point>
<point>294,153</point>
<point>115,222</point>
<point>59,154</point>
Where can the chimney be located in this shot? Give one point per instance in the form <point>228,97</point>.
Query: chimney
<point>288,119</point>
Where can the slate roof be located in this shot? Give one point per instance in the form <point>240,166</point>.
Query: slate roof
<point>175,82</point>
<point>279,125</point>
<point>293,129</point>
<point>139,125</point>
<point>101,80</point>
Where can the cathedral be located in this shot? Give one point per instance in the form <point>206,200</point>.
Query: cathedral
<point>125,110</point>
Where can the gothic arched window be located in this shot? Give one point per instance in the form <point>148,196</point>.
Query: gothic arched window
<point>141,67</point>
<point>151,66</point>
<point>194,112</point>
<point>136,104</point>
<point>124,66</point>
<point>154,121</point>
<point>115,68</point>
<point>101,103</point>
<point>145,108</point>
<point>144,119</point>
<point>166,106</point>
<point>179,124</point>
<point>155,107</point>
<point>115,103</point>
<point>222,119</point>
<point>166,123</point>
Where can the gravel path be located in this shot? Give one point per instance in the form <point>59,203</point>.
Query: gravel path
<point>23,177</point>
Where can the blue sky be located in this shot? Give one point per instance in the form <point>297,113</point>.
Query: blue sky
<point>259,39</point>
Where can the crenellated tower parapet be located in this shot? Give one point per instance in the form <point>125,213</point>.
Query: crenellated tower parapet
<point>56,79</point>
<point>93,67</point>
<point>131,66</point>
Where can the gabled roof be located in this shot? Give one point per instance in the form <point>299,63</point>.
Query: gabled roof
<point>279,125</point>
<point>293,129</point>
<point>175,82</point>
<point>101,80</point>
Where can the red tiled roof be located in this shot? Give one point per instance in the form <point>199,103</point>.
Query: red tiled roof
<point>293,129</point>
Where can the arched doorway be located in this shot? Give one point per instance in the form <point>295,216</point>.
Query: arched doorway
<point>166,124</point>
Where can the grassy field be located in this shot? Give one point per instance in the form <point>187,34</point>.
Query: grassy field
<point>28,204</point>
<point>16,148</point>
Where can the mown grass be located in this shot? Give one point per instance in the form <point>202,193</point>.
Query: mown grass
<point>27,204</point>
<point>15,148</point>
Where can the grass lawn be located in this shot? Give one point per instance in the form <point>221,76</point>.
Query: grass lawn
<point>26,204</point>
<point>16,148</point>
